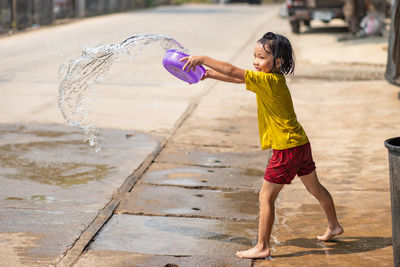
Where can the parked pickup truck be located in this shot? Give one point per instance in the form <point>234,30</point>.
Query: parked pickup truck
<point>303,11</point>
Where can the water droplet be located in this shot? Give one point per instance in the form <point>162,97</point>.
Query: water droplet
<point>79,76</point>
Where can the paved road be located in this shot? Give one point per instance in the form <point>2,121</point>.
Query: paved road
<point>54,185</point>
<point>196,204</point>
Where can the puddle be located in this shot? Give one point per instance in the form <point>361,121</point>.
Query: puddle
<point>340,245</point>
<point>40,162</point>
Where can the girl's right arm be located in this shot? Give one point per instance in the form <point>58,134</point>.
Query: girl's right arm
<point>225,71</point>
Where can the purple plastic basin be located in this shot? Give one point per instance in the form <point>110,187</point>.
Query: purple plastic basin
<point>174,66</point>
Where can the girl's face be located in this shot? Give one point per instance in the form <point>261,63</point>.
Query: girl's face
<point>263,58</point>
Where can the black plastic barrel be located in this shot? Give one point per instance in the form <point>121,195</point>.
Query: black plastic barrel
<point>393,145</point>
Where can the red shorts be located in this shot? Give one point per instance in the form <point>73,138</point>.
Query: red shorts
<point>285,164</point>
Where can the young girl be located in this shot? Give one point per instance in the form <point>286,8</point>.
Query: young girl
<point>279,130</point>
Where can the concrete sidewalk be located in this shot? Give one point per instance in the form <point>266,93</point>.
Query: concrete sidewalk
<point>197,203</point>
<point>56,191</point>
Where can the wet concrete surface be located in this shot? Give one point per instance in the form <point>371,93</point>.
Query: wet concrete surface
<point>138,95</point>
<point>214,156</point>
<point>236,205</point>
<point>347,125</point>
<point>171,174</point>
<point>174,236</point>
<point>196,205</point>
<point>346,122</point>
<point>38,236</point>
<point>121,258</point>
<point>55,184</point>
<point>23,150</point>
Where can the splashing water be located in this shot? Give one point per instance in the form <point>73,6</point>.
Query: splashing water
<point>79,76</point>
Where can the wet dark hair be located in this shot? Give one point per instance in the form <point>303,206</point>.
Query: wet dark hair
<point>280,48</point>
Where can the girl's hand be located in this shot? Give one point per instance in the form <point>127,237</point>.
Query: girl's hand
<point>206,75</point>
<point>192,62</point>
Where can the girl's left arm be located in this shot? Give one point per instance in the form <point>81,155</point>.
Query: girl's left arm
<point>212,74</point>
<point>219,66</point>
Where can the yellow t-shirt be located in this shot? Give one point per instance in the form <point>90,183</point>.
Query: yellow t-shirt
<point>277,121</point>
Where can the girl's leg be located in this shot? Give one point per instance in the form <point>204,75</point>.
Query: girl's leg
<point>268,194</point>
<point>313,186</point>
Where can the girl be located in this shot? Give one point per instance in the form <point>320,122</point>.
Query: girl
<point>279,130</point>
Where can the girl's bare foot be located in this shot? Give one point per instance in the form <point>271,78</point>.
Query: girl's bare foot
<point>254,253</point>
<point>330,233</point>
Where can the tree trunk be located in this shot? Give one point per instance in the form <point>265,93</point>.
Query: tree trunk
<point>393,64</point>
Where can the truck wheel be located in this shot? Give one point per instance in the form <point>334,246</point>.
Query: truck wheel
<point>295,24</point>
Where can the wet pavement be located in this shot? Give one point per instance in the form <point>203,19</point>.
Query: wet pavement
<point>182,190</point>
<point>198,199</point>
<point>40,164</point>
